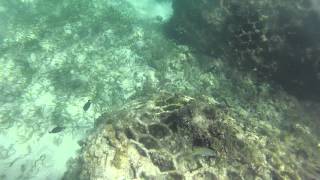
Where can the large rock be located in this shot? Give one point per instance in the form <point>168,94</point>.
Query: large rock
<point>178,137</point>
<point>279,40</point>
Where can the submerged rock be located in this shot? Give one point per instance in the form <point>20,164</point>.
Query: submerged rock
<point>207,142</point>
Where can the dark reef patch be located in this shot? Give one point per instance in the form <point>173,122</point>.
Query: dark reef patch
<point>279,41</point>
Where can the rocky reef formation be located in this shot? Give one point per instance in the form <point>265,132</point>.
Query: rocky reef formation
<point>278,40</point>
<point>179,137</point>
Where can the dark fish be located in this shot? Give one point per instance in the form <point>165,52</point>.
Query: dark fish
<point>87,105</point>
<point>57,129</point>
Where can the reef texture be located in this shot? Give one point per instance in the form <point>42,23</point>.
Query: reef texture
<point>179,137</point>
<point>279,40</point>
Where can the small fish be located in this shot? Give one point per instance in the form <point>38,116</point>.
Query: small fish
<point>203,151</point>
<point>57,129</point>
<point>87,105</point>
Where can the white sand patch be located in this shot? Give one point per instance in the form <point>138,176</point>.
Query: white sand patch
<point>33,159</point>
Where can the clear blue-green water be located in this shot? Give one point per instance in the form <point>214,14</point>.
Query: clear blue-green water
<point>55,55</point>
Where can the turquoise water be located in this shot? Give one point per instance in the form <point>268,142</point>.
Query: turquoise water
<point>55,56</point>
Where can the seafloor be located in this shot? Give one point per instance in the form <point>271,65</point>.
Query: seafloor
<point>160,110</point>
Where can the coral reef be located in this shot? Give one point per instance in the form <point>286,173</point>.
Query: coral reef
<point>57,55</point>
<point>279,41</point>
<point>179,137</point>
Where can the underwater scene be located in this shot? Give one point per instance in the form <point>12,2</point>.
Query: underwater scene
<point>159,90</point>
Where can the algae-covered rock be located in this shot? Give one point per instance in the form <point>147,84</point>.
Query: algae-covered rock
<point>196,140</point>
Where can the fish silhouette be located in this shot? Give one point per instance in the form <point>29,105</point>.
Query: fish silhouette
<point>87,105</point>
<point>57,129</point>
